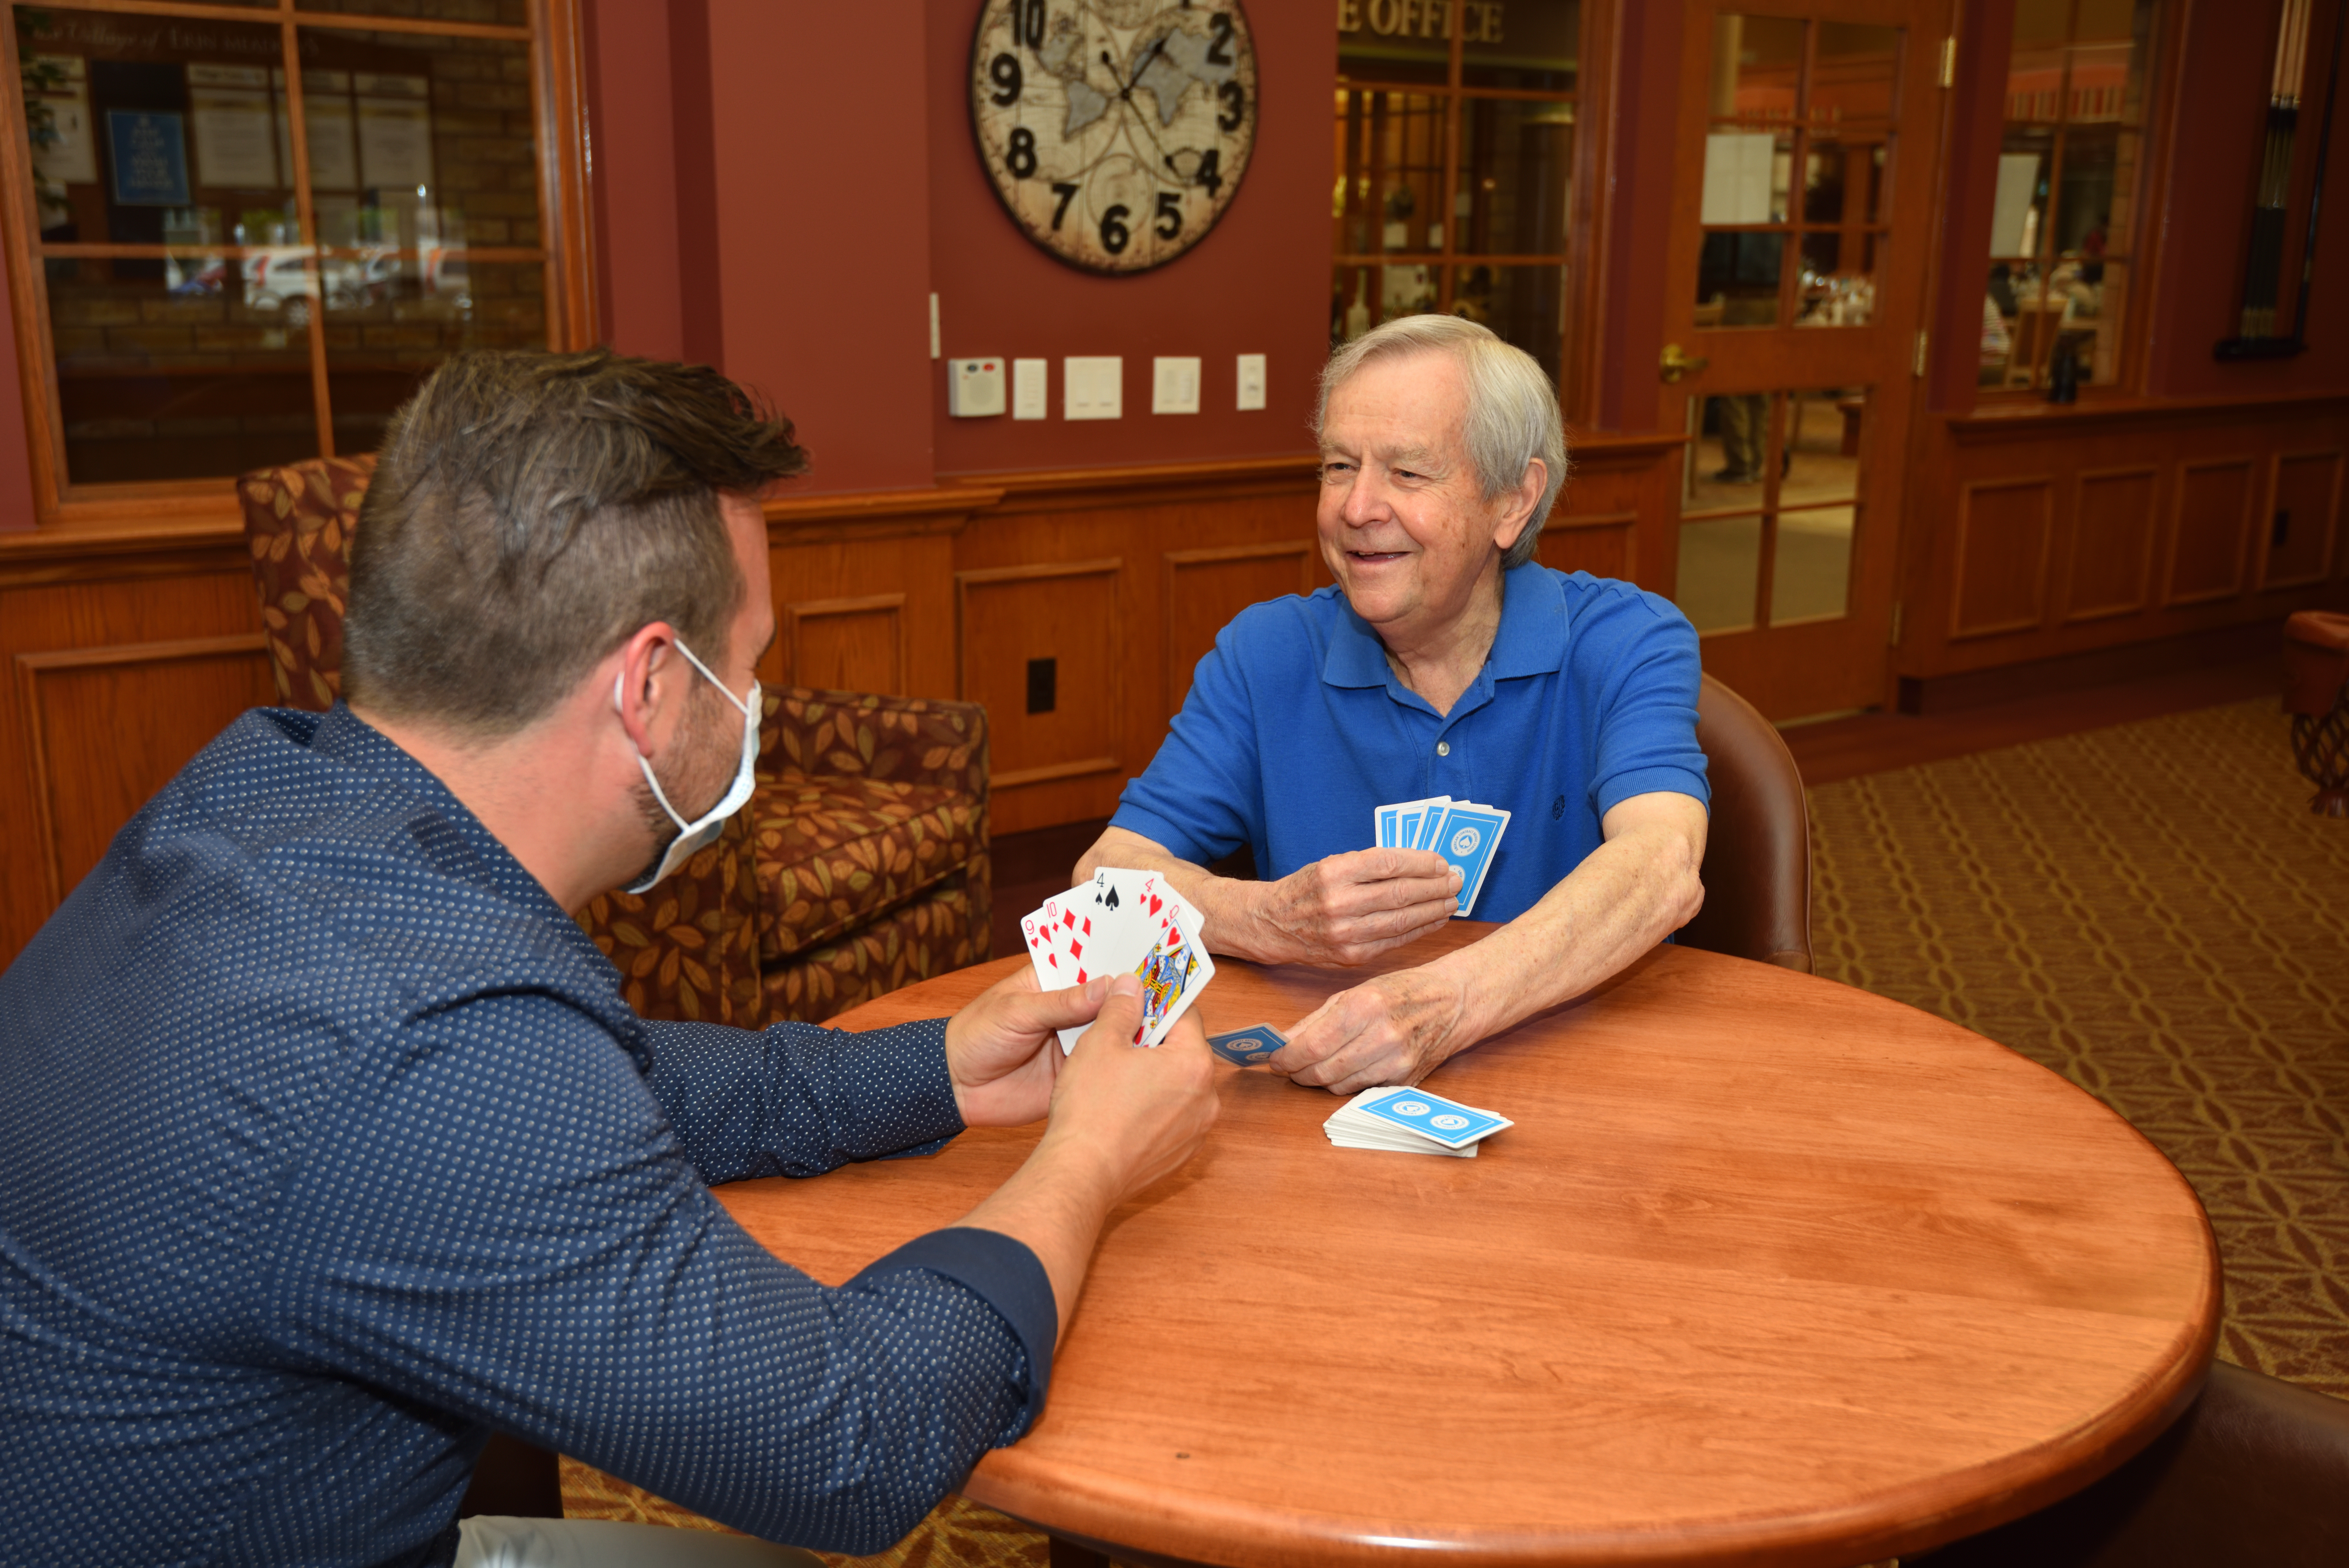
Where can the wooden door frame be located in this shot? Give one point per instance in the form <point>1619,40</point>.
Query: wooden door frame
<point>1905,303</point>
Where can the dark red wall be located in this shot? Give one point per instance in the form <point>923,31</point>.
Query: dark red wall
<point>2220,123</point>
<point>635,168</point>
<point>823,234</point>
<point>1258,284</point>
<point>1645,122</point>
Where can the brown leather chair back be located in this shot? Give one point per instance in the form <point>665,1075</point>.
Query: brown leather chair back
<point>2315,661</point>
<point>2256,1470</point>
<point>1757,853</point>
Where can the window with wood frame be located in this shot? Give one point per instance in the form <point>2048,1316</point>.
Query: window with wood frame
<point>1454,156</point>
<point>240,233</point>
<point>2067,224</point>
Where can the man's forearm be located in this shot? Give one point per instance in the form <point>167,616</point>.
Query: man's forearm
<point>1631,892</point>
<point>1226,903</point>
<point>798,1099</point>
<point>1056,1203</point>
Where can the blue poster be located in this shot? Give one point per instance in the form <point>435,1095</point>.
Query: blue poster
<point>150,158</point>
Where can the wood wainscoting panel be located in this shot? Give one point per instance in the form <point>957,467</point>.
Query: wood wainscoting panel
<point>864,586</point>
<point>1605,544</point>
<point>2111,548</point>
<point>106,727</point>
<point>112,727</point>
<point>1166,529</point>
<point>2296,541</point>
<point>1008,618</point>
<point>845,645</point>
<point>2004,529</point>
<point>1206,588</point>
<point>2213,523</point>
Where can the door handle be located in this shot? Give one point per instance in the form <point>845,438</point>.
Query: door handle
<point>1673,364</point>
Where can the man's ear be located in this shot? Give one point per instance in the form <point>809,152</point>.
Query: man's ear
<point>644,684</point>
<point>1521,503</point>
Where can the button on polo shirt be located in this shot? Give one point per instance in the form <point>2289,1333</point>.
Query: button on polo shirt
<point>1296,730</point>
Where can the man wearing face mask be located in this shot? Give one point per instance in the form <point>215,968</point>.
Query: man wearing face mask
<point>327,1146</point>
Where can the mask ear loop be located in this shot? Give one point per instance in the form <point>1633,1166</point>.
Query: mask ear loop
<point>736,794</point>
<point>620,677</point>
<point>739,705</point>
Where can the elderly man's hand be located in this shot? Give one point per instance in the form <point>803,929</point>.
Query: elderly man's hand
<point>1396,1029</point>
<point>1348,909</point>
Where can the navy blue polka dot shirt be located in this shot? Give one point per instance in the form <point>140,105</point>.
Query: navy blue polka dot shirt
<point>327,1145</point>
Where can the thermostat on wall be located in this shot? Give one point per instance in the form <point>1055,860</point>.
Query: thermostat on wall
<point>974,387</point>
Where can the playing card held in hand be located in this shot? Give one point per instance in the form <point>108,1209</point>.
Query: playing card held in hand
<point>1122,923</point>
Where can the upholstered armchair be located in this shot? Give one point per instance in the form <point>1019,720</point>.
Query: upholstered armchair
<point>860,864</point>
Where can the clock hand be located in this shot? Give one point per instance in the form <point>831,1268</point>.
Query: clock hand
<point>1157,44</point>
<point>1125,93</point>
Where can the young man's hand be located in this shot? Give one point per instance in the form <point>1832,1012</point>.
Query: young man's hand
<point>1138,1112</point>
<point>1002,1051</point>
<point>1123,1116</point>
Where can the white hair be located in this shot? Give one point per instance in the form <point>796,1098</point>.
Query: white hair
<point>1512,417</point>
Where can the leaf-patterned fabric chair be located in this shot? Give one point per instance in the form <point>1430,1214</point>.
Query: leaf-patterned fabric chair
<point>861,862</point>
<point>859,865</point>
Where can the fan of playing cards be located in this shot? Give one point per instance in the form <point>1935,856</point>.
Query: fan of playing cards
<point>1122,923</point>
<point>1411,1121</point>
<point>1462,832</point>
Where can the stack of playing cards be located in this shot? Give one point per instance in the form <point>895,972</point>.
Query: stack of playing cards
<point>1462,832</point>
<point>1122,923</point>
<point>1411,1121</point>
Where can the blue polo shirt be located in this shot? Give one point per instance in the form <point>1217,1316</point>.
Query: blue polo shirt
<point>1296,731</point>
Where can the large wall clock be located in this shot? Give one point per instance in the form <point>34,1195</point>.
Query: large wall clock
<point>1115,131</point>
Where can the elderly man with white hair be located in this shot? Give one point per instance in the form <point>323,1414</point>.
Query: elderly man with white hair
<point>1444,661</point>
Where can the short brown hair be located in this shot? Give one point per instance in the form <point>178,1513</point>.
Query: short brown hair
<point>530,512</point>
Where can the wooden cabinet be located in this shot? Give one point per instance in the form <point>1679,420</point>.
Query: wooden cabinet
<point>2043,533</point>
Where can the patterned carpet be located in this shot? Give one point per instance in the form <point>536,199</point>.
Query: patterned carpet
<point>2151,911</point>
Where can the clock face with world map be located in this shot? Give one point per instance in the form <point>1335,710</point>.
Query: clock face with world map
<point>1115,131</point>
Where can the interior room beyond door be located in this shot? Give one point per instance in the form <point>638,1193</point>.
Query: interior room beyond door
<point>1800,223</point>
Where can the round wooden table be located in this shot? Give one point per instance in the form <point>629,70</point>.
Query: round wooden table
<point>1770,1270</point>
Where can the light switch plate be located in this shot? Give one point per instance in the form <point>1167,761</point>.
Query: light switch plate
<point>1174,385</point>
<point>974,387</point>
<point>1029,383</point>
<point>1250,393</point>
<point>1093,386</point>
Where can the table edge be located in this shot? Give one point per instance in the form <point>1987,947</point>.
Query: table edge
<point>1128,1517</point>
<point>1101,1509</point>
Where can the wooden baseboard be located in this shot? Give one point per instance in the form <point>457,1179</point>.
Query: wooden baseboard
<point>2095,667</point>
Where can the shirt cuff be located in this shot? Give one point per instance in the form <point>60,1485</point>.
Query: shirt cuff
<point>926,1118</point>
<point>1008,1275</point>
<point>1651,782</point>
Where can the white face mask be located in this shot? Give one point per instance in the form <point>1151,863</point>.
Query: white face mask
<point>692,837</point>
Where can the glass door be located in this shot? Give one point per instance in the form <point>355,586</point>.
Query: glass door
<point>1800,224</point>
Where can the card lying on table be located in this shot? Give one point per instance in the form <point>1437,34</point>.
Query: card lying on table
<point>1122,923</point>
<point>1411,1122</point>
<point>1464,832</point>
